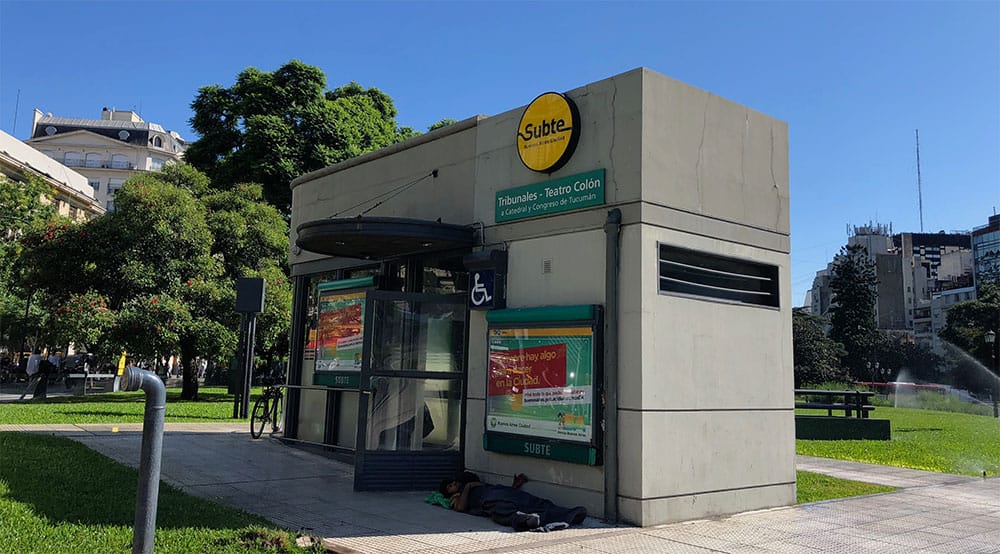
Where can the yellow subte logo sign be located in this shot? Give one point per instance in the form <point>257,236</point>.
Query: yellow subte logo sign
<point>548,132</point>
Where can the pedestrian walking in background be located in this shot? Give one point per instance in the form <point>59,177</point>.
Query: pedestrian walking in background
<point>56,362</point>
<point>32,369</point>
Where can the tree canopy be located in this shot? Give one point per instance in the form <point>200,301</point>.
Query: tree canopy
<point>25,208</point>
<point>968,322</point>
<point>852,319</point>
<point>156,277</point>
<point>442,123</point>
<point>816,357</point>
<point>271,127</point>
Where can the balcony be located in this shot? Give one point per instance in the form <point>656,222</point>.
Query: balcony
<point>99,164</point>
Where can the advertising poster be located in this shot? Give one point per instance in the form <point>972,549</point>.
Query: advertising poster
<point>310,350</point>
<point>541,383</point>
<point>339,337</point>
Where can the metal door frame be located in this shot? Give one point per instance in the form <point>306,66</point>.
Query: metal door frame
<point>366,461</point>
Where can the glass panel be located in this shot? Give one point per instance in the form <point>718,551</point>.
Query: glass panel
<point>415,414</point>
<point>444,281</point>
<point>361,272</point>
<point>347,419</point>
<point>418,336</point>
<point>312,414</point>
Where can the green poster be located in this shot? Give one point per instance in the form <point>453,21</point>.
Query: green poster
<point>541,383</point>
<point>339,336</point>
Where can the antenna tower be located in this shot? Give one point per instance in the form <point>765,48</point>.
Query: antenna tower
<point>920,192</point>
<point>17,104</point>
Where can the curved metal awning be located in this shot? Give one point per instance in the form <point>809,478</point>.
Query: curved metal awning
<point>381,237</point>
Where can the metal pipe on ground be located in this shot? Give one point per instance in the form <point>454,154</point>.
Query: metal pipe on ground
<point>149,459</point>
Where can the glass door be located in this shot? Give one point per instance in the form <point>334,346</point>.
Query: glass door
<point>411,410</point>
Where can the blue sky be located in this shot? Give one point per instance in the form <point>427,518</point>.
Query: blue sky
<point>852,79</point>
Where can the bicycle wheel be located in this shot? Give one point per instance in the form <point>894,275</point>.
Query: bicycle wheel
<point>259,417</point>
<point>276,414</point>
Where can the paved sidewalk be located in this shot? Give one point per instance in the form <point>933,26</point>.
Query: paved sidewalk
<point>299,490</point>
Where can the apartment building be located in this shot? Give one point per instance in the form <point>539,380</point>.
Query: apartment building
<point>107,151</point>
<point>986,252</point>
<point>73,196</point>
<point>912,269</point>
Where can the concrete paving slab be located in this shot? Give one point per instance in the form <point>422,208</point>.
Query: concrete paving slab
<point>301,490</point>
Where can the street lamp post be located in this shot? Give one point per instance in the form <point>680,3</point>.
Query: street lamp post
<point>872,369</point>
<point>991,338</point>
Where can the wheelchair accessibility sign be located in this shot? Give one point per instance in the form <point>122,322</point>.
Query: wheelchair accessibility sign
<point>487,279</point>
<point>482,289</point>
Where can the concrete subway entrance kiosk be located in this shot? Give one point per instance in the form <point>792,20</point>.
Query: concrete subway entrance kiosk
<point>639,359</point>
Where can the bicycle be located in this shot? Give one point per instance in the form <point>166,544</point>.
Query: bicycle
<point>267,410</point>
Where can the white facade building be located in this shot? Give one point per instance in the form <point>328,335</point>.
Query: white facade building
<point>73,196</point>
<point>106,151</point>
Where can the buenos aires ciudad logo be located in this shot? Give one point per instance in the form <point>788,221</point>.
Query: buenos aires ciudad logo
<point>548,132</point>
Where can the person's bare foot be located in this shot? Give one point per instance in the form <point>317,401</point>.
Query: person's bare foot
<point>519,480</point>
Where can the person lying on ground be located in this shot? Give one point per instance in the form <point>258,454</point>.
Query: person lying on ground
<point>509,506</point>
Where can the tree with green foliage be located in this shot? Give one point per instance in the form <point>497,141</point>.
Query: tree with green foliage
<point>251,240</point>
<point>271,127</point>
<point>968,322</point>
<point>852,319</point>
<point>151,266</point>
<point>816,356</point>
<point>25,207</point>
<point>896,354</point>
<point>158,274</point>
<point>442,123</point>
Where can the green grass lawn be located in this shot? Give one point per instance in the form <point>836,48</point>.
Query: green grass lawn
<point>921,439</point>
<point>813,487</point>
<point>45,506</point>
<point>213,405</point>
<point>946,442</point>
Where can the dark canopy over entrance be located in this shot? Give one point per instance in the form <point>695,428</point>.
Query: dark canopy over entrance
<point>370,238</point>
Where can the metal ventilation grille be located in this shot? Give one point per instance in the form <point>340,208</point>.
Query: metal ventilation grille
<point>694,273</point>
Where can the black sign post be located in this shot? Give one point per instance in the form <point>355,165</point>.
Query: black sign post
<point>249,303</point>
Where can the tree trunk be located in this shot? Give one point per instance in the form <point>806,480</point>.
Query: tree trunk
<point>189,389</point>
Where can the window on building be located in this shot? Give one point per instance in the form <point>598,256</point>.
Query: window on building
<point>114,185</point>
<point>158,142</point>
<point>155,164</point>
<point>110,205</point>
<point>690,272</point>
<point>96,184</point>
<point>73,159</point>
<point>120,161</point>
<point>94,160</point>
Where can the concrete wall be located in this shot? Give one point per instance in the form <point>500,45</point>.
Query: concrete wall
<point>705,386</point>
<point>705,155</point>
<point>705,391</point>
<point>610,129</point>
<point>576,277</point>
<point>347,188</point>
